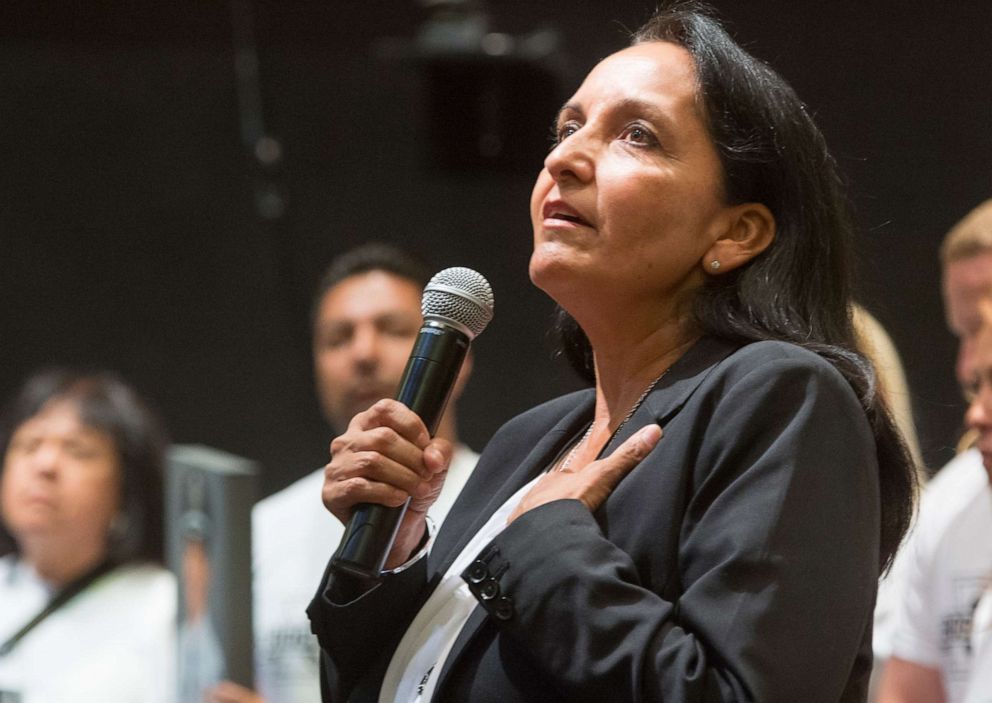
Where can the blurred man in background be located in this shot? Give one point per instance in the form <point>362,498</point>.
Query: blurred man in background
<point>366,316</point>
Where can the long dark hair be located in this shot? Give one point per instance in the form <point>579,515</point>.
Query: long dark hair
<point>107,404</point>
<point>799,289</point>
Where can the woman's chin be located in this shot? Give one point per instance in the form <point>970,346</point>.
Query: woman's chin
<point>561,282</point>
<point>547,271</point>
<point>551,261</point>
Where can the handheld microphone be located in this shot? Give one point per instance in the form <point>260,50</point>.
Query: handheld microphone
<point>457,305</point>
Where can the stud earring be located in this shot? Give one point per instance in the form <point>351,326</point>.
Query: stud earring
<point>715,265</point>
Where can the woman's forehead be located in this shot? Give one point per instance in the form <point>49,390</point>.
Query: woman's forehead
<point>656,63</point>
<point>660,73</point>
<point>63,415</point>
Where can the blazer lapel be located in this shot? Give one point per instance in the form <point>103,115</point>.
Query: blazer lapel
<point>662,403</point>
<point>536,461</point>
<point>547,447</point>
<point>676,387</point>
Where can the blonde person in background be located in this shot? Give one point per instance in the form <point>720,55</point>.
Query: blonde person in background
<point>943,567</point>
<point>87,612</point>
<point>878,346</point>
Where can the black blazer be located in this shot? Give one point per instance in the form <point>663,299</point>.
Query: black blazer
<point>737,562</point>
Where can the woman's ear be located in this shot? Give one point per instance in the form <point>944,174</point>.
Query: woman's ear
<point>748,232</point>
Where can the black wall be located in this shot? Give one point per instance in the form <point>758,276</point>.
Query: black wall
<point>138,232</point>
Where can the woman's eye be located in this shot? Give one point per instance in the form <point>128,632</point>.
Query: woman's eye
<point>81,451</point>
<point>24,445</point>
<point>564,131</point>
<point>638,135</point>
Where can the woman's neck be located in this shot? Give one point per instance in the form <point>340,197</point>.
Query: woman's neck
<point>631,349</point>
<point>627,369</point>
<point>623,379</point>
<point>60,564</point>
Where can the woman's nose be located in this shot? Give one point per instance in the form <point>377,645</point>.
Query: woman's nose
<point>573,157</point>
<point>45,459</point>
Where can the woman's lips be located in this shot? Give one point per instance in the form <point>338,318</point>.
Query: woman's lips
<point>39,499</point>
<point>558,212</point>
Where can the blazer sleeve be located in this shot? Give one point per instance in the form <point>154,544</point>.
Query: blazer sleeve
<point>358,629</point>
<point>777,559</point>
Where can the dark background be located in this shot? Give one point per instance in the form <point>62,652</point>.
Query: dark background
<point>140,231</point>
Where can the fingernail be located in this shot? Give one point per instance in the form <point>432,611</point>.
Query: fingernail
<point>650,434</point>
<point>436,458</point>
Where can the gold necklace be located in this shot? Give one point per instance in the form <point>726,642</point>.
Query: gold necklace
<point>630,413</point>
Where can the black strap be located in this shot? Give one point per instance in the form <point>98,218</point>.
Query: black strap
<point>72,589</point>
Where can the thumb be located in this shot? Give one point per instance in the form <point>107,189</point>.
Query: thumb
<point>437,455</point>
<point>607,473</point>
<point>630,453</point>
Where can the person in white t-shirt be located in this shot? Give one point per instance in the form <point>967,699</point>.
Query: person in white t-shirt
<point>943,568</point>
<point>87,612</point>
<point>980,683</point>
<point>946,567</point>
<point>365,318</point>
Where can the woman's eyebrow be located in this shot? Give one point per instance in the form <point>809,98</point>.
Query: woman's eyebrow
<point>567,107</point>
<point>649,109</point>
<point>627,105</point>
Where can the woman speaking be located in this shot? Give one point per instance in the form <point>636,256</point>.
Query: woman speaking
<point>709,522</point>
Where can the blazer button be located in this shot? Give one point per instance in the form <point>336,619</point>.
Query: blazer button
<point>478,572</point>
<point>489,589</point>
<point>503,609</point>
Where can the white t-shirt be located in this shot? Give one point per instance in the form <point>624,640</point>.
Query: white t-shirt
<point>980,682</point>
<point>293,537</point>
<point>948,566</point>
<point>419,658</point>
<point>112,643</point>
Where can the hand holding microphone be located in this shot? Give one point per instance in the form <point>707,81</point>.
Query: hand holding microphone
<point>386,470</point>
<point>385,458</point>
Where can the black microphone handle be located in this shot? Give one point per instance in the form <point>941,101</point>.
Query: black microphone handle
<point>427,381</point>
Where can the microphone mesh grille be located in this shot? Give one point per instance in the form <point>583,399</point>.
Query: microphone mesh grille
<point>460,295</point>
